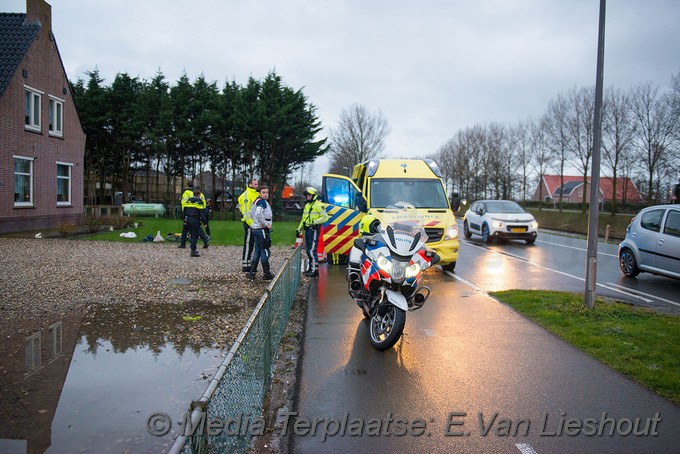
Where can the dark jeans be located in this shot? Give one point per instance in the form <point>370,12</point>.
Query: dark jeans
<point>194,224</point>
<point>260,253</point>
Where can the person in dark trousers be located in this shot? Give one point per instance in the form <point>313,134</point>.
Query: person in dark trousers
<point>261,215</point>
<point>186,195</point>
<point>245,204</point>
<point>313,215</point>
<point>193,206</point>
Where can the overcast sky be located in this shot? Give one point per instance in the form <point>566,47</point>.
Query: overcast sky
<point>431,67</point>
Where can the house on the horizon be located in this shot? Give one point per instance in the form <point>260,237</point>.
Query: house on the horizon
<point>573,189</point>
<point>42,143</point>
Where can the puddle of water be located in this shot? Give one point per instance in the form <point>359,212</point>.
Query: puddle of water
<point>89,384</point>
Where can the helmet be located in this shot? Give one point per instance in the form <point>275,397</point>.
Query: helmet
<point>309,190</point>
<point>369,225</point>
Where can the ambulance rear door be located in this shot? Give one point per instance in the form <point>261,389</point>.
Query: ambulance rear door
<point>346,206</point>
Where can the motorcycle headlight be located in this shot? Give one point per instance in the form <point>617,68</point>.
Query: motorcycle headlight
<point>384,264</point>
<point>412,270</point>
<point>451,232</point>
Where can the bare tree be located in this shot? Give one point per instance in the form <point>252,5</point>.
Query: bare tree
<point>360,136</point>
<point>675,105</point>
<point>556,127</point>
<point>543,156</point>
<point>617,137</point>
<point>519,139</point>
<point>581,104</point>
<point>655,126</point>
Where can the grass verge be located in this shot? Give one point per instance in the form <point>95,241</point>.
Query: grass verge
<point>641,344</point>
<point>223,233</point>
<point>577,222</point>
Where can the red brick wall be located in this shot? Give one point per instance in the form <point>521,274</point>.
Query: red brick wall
<point>45,73</point>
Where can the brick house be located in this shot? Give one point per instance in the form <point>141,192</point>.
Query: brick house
<point>573,189</point>
<point>42,143</point>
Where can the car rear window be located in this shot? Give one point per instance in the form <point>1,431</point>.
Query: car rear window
<point>651,220</point>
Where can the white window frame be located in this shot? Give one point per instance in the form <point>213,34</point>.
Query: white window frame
<point>30,175</point>
<point>56,116</point>
<point>32,102</point>
<point>56,340</point>
<point>33,353</point>
<point>69,201</point>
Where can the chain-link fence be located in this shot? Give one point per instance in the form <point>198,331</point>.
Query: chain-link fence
<point>229,413</point>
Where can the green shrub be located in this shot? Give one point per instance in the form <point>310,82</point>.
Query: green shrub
<point>118,222</point>
<point>66,229</point>
<point>92,224</point>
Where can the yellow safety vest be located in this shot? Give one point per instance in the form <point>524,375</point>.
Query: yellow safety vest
<point>314,213</point>
<point>245,203</point>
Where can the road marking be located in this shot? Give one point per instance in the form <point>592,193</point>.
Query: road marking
<point>577,248</point>
<point>469,284</point>
<point>525,448</point>
<point>525,260</point>
<point>644,294</point>
<point>429,332</point>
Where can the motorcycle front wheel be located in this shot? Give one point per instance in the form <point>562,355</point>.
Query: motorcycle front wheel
<point>386,328</point>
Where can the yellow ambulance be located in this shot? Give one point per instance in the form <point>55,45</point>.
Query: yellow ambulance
<point>378,184</point>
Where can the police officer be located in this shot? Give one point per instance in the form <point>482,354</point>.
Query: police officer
<point>245,204</point>
<point>368,226</point>
<point>193,206</point>
<point>313,215</point>
<point>186,195</point>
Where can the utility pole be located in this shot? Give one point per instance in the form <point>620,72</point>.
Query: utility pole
<point>594,212</point>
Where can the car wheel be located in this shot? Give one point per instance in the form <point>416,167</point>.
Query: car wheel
<point>449,266</point>
<point>486,237</point>
<point>466,230</point>
<point>628,263</point>
<point>530,240</point>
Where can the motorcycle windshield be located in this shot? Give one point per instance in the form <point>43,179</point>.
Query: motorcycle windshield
<point>403,229</point>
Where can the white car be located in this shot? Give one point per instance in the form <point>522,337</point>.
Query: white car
<point>500,219</point>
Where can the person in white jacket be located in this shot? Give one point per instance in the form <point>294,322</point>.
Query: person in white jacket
<point>261,214</point>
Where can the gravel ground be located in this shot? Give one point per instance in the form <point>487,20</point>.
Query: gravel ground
<point>63,276</point>
<point>59,276</point>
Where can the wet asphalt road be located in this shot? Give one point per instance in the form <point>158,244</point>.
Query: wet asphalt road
<point>464,358</point>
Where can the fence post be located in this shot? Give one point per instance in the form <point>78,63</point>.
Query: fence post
<point>606,233</point>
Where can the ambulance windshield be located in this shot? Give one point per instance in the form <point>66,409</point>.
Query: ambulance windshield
<point>421,193</point>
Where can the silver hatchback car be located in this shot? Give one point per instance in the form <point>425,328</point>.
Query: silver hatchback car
<point>652,242</point>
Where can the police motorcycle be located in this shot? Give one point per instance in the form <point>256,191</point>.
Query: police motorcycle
<point>384,273</point>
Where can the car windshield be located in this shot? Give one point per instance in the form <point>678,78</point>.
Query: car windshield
<point>425,193</point>
<point>503,206</point>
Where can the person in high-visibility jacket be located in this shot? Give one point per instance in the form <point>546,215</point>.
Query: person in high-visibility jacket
<point>193,207</point>
<point>186,195</point>
<point>245,204</point>
<point>313,215</point>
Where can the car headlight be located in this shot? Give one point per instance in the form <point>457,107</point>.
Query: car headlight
<point>412,270</point>
<point>534,225</point>
<point>384,264</point>
<point>451,232</point>
<point>496,224</point>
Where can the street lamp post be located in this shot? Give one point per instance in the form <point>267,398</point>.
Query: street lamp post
<point>591,261</point>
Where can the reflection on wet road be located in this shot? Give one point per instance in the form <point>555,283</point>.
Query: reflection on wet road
<point>558,263</point>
